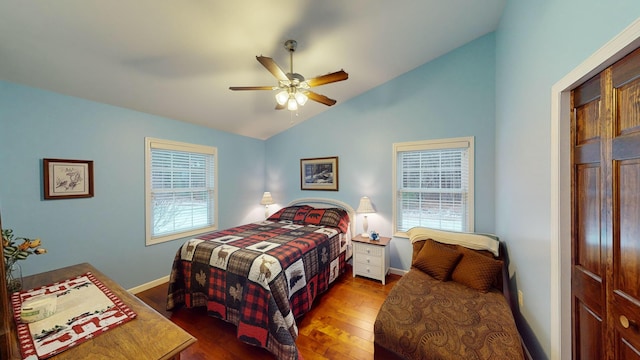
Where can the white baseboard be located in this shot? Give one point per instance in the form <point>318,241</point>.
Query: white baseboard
<point>149,285</point>
<point>396,271</point>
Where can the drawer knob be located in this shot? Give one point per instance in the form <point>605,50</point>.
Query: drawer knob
<point>624,321</point>
<point>368,260</point>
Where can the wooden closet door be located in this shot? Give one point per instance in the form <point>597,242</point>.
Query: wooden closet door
<point>606,214</point>
<point>623,280</point>
<point>588,251</point>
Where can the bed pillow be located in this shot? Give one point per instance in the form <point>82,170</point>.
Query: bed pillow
<point>334,217</point>
<point>417,246</point>
<point>437,260</point>
<point>291,213</point>
<point>476,270</point>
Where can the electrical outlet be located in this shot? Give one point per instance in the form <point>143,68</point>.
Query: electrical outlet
<point>520,298</point>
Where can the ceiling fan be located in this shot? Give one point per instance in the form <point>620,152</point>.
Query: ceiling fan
<point>293,87</point>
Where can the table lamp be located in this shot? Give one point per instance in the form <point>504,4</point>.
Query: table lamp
<point>365,207</point>
<point>266,201</point>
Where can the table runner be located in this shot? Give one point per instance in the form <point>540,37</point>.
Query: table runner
<point>85,309</point>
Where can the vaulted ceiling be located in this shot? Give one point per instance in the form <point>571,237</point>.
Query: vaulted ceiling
<point>177,59</point>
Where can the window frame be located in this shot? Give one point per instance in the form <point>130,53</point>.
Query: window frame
<point>437,144</point>
<point>184,147</point>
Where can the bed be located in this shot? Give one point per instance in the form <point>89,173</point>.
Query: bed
<point>452,304</point>
<point>262,276</point>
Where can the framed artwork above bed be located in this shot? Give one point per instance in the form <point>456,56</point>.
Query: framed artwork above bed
<point>319,173</point>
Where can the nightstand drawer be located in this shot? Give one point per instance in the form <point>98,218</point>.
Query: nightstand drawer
<point>372,250</point>
<point>369,260</point>
<point>367,270</point>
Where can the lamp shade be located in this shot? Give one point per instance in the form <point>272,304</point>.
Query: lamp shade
<point>282,97</point>
<point>365,206</point>
<point>292,104</point>
<point>266,199</point>
<point>301,98</point>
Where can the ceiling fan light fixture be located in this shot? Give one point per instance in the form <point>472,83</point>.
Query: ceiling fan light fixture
<point>301,98</point>
<point>282,97</point>
<point>293,89</point>
<point>292,104</point>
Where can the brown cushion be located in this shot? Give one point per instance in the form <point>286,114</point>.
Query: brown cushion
<point>417,246</point>
<point>475,270</point>
<point>437,260</point>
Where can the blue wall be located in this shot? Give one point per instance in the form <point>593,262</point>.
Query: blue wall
<point>107,230</point>
<point>537,44</point>
<point>496,88</point>
<point>452,96</point>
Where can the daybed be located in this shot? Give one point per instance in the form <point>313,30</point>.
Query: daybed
<point>450,305</point>
<point>262,276</point>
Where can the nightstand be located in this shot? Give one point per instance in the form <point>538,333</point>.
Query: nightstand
<point>371,257</point>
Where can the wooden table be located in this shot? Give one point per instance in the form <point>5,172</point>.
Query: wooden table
<point>148,336</point>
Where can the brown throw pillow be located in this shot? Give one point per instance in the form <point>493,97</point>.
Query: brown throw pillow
<point>437,260</point>
<point>417,246</point>
<point>475,270</point>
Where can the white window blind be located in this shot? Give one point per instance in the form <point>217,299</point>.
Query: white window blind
<point>433,185</point>
<point>181,194</point>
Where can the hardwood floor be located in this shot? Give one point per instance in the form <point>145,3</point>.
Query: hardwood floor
<point>339,326</point>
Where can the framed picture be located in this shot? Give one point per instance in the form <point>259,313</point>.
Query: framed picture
<point>67,179</point>
<point>319,174</point>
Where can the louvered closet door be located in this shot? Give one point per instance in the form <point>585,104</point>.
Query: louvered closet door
<point>606,214</point>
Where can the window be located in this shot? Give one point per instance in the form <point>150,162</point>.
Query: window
<point>180,192</point>
<point>433,185</point>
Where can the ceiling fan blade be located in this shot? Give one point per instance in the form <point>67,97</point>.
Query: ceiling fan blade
<point>280,107</point>
<point>273,68</point>
<point>329,78</point>
<point>320,98</point>
<point>253,87</point>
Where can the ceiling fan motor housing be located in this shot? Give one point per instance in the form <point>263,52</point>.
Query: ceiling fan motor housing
<point>295,78</point>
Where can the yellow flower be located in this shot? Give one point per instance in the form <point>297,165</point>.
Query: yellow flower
<point>24,246</point>
<point>13,252</point>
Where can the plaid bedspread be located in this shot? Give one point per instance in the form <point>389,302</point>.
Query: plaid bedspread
<point>260,277</point>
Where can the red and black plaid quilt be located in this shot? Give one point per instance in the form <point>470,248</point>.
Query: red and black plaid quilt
<point>260,277</point>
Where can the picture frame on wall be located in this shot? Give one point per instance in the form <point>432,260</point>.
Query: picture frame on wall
<point>319,173</point>
<point>67,179</point>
